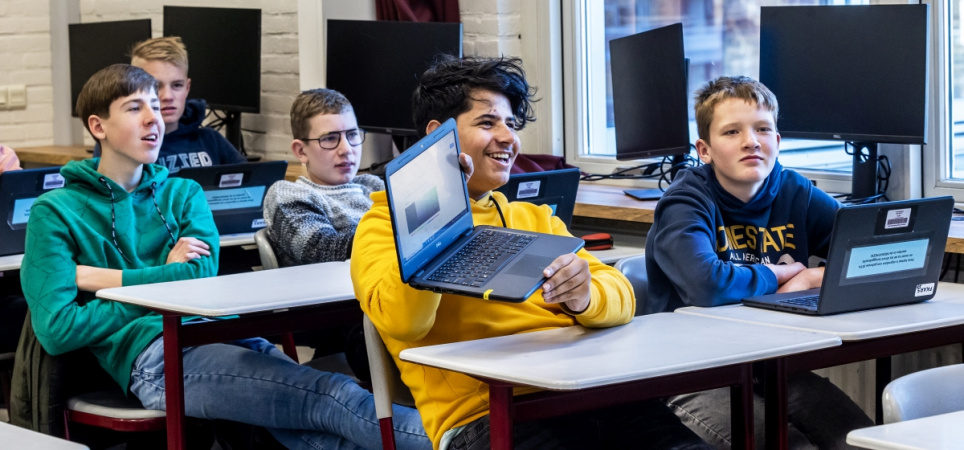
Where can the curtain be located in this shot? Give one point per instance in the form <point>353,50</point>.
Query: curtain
<point>417,10</point>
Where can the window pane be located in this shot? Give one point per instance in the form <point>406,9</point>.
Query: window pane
<point>957,92</point>
<point>721,38</point>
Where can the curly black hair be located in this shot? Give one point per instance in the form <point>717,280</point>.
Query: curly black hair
<point>444,89</point>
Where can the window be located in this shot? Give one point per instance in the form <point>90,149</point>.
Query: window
<point>721,37</point>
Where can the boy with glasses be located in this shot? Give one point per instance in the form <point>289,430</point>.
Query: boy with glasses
<point>313,219</point>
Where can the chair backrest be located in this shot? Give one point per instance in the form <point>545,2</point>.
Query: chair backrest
<point>634,268</point>
<point>926,393</point>
<point>268,259</point>
<point>387,385</point>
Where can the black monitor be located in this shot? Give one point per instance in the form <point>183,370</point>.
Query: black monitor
<point>650,108</point>
<point>224,54</point>
<point>849,73</point>
<point>377,65</point>
<point>94,46</point>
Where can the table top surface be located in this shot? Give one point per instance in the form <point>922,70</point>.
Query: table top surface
<point>946,309</point>
<point>940,432</point>
<point>249,292</point>
<point>649,346</point>
<point>19,438</point>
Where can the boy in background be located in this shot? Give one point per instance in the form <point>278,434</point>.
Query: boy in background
<point>313,219</point>
<point>490,100</point>
<point>741,226</point>
<point>186,142</point>
<point>121,221</point>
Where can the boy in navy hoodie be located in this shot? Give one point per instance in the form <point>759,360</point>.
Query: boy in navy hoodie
<point>186,142</point>
<point>740,226</point>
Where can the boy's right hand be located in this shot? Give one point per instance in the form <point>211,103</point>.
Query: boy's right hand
<point>785,272</point>
<point>186,249</point>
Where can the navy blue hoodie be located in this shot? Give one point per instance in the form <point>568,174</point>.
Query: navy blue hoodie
<point>192,145</point>
<point>706,247</point>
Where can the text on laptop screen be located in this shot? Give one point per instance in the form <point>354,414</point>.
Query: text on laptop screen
<point>887,258</point>
<point>237,198</point>
<point>21,210</point>
<point>427,195</point>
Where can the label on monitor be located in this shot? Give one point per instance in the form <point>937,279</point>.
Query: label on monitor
<point>53,181</point>
<point>897,218</point>
<point>230,180</point>
<point>924,289</point>
<point>528,189</point>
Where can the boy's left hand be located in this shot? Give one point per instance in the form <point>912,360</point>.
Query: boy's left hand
<point>568,282</point>
<point>186,249</point>
<point>806,279</point>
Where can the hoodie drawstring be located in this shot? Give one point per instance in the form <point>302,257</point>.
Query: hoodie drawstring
<point>113,217</point>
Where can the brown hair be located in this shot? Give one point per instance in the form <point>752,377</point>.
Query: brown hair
<point>109,84</point>
<point>312,102</point>
<point>168,49</point>
<point>716,91</point>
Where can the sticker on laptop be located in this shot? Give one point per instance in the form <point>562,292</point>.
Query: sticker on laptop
<point>528,189</point>
<point>258,223</point>
<point>924,289</point>
<point>230,180</point>
<point>897,218</point>
<point>53,181</point>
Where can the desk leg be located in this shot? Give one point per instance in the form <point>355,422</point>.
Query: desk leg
<point>501,412</point>
<point>775,387</point>
<point>741,409</point>
<point>174,381</point>
<point>882,377</point>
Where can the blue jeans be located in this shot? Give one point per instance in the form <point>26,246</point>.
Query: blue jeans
<point>251,381</point>
<point>820,415</point>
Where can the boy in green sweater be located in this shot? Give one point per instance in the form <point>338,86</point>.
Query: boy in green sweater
<point>121,221</point>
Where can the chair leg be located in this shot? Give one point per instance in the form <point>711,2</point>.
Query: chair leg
<point>388,433</point>
<point>288,345</point>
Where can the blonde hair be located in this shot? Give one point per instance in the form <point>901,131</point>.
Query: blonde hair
<point>312,102</point>
<point>716,91</point>
<point>169,49</point>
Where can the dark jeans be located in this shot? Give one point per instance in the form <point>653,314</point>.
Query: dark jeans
<point>643,425</point>
<point>819,413</point>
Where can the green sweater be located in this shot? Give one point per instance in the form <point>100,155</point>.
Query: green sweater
<point>72,226</point>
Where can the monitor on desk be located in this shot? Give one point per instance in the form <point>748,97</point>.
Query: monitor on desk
<point>19,189</point>
<point>94,46</point>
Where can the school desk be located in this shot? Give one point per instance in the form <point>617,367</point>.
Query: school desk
<point>652,356</point>
<point>12,436</point>
<point>866,335</point>
<point>940,432</point>
<point>267,302</point>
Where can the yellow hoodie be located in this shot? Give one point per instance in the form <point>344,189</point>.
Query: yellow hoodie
<point>409,318</point>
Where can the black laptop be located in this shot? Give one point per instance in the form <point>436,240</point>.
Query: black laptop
<point>438,247</point>
<point>235,192</point>
<point>18,190</point>
<point>881,254</point>
<point>556,188</point>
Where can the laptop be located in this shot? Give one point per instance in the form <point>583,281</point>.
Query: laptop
<point>235,192</point>
<point>881,254</point>
<point>556,188</point>
<point>435,238</point>
<point>18,190</point>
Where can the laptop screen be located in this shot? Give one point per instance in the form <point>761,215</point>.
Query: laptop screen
<point>427,196</point>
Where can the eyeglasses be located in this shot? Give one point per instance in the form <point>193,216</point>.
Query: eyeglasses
<point>330,141</point>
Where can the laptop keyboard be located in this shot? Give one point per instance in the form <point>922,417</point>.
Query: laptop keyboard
<point>809,301</point>
<point>482,257</point>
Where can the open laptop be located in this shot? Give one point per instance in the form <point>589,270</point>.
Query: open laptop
<point>881,254</point>
<point>18,190</point>
<point>432,221</point>
<point>235,192</point>
<point>556,188</point>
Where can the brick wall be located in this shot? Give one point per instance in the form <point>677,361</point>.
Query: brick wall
<point>491,27</point>
<point>25,59</point>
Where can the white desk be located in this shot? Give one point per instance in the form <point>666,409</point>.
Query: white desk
<point>940,432</point>
<point>269,302</point>
<point>607,366</point>
<point>12,436</point>
<point>866,335</point>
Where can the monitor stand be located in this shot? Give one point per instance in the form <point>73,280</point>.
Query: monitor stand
<point>656,194</point>
<point>864,180</point>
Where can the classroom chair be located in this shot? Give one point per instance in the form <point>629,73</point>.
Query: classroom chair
<point>634,268</point>
<point>926,393</point>
<point>387,385</point>
<point>265,251</point>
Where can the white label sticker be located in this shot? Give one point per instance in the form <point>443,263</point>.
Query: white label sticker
<point>528,189</point>
<point>53,181</point>
<point>230,180</point>
<point>897,218</point>
<point>924,290</point>
<point>258,223</point>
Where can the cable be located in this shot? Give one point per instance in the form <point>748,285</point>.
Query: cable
<point>662,170</point>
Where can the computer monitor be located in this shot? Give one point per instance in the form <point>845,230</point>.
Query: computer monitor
<point>377,64</point>
<point>649,94</point>
<point>224,52</point>
<point>849,73</point>
<point>94,46</point>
